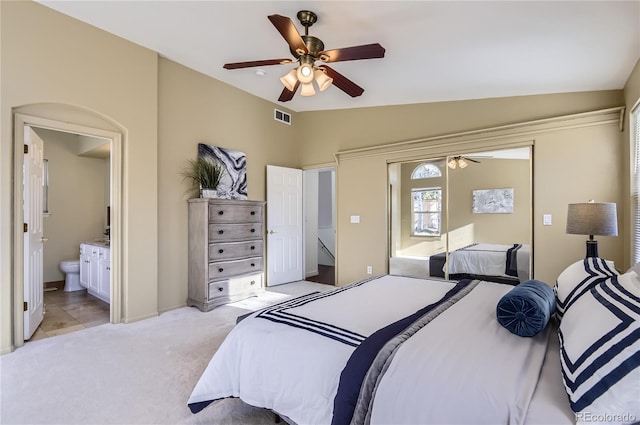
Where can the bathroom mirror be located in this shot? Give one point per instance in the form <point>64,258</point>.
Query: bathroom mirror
<point>45,186</point>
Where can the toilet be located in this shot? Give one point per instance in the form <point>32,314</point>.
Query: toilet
<point>71,269</point>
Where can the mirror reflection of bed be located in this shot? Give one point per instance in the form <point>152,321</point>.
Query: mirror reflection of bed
<point>472,221</point>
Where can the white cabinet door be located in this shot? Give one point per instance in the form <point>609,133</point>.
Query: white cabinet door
<point>104,279</point>
<point>85,270</point>
<point>93,274</point>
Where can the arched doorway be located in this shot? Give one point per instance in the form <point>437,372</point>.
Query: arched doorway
<point>68,119</point>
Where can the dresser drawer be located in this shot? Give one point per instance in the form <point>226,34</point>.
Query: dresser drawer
<point>230,250</point>
<point>235,213</point>
<point>234,232</point>
<point>224,269</point>
<point>235,286</point>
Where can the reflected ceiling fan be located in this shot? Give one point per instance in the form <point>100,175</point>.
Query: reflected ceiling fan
<point>459,161</point>
<point>308,49</point>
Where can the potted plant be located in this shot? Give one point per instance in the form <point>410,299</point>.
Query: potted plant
<point>204,175</point>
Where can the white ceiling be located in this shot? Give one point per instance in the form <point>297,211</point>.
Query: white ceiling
<point>435,50</point>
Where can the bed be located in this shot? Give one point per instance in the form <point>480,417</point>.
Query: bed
<point>415,352</point>
<point>492,262</point>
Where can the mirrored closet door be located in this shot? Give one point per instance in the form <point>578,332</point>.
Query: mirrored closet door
<point>462,215</point>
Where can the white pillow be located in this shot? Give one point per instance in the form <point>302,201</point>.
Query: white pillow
<point>600,351</point>
<point>578,278</point>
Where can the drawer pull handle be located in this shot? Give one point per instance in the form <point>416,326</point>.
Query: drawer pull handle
<point>220,232</point>
<point>220,251</point>
<point>109,268</point>
<point>253,230</point>
<point>220,270</point>
<point>253,213</point>
<point>253,247</point>
<point>220,212</point>
<point>253,282</point>
<point>253,264</point>
<point>220,289</point>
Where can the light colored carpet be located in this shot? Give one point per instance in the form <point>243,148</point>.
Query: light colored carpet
<point>138,373</point>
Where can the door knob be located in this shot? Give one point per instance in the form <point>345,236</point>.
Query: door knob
<point>271,232</point>
<point>43,240</point>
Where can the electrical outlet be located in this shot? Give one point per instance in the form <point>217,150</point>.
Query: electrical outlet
<point>369,270</point>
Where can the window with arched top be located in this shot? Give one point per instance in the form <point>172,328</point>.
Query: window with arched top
<point>426,203</point>
<point>425,171</point>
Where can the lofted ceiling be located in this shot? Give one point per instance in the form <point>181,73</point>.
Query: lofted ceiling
<point>435,50</point>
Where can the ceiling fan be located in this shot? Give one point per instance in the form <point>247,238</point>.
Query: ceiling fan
<point>308,49</point>
<point>459,161</point>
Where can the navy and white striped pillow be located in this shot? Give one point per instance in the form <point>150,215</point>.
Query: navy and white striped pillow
<point>600,350</point>
<point>578,278</point>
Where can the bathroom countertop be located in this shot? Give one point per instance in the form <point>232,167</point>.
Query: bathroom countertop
<point>102,244</point>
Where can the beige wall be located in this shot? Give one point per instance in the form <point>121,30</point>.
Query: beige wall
<point>77,207</point>
<point>556,183</point>
<point>47,57</point>
<point>464,226</point>
<point>194,108</point>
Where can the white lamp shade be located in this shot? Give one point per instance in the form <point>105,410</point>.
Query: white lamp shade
<point>307,89</point>
<point>290,80</point>
<point>452,163</point>
<point>462,163</point>
<point>323,80</point>
<point>592,219</point>
<point>305,73</point>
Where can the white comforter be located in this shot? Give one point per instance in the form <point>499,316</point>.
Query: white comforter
<point>488,260</point>
<point>462,358</point>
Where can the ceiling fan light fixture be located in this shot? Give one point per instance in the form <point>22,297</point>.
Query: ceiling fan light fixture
<point>452,163</point>
<point>322,79</point>
<point>462,163</point>
<point>307,89</point>
<point>305,73</point>
<point>290,80</point>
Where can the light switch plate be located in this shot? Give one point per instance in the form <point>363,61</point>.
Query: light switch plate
<point>355,219</point>
<point>546,220</point>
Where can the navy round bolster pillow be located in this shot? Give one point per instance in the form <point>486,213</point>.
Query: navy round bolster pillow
<point>526,309</point>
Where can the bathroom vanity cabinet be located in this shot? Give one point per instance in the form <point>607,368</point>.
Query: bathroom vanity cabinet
<point>95,270</point>
<point>226,254</point>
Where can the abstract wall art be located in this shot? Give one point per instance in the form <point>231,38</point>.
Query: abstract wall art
<point>234,182</point>
<point>493,201</point>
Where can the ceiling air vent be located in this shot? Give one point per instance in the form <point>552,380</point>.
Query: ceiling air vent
<point>281,116</point>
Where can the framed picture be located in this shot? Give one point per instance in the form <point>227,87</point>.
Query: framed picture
<point>234,182</point>
<point>493,201</point>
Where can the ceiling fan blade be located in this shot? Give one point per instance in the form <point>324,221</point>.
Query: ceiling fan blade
<point>287,94</point>
<point>471,159</point>
<point>367,51</point>
<point>289,32</point>
<point>343,83</point>
<point>238,65</point>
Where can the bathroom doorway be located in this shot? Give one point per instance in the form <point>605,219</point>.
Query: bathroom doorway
<point>100,150</point>
<point>76,186</point>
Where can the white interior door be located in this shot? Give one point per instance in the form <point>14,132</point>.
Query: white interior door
<point>33,250</point>
<point>284,225</point>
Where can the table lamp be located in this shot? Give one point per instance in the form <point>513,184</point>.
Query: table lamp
<point>592,218</point>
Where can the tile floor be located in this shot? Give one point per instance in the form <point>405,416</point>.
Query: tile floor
<point>69,311</point>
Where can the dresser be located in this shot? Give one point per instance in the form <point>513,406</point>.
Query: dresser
<point>226,251</point>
